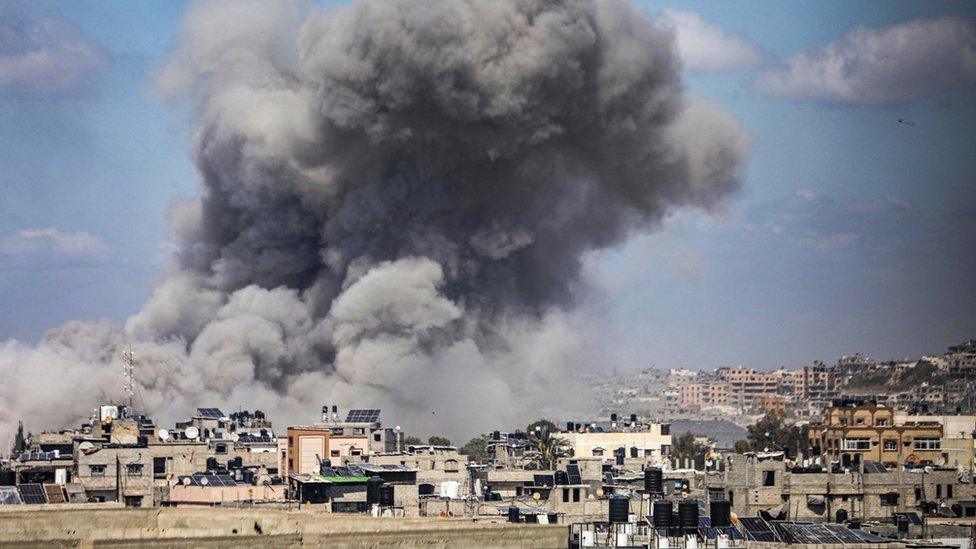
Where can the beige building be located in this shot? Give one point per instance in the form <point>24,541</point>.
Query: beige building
<point>306,446</point>
<point>650,442</point>
<point>853,432</point>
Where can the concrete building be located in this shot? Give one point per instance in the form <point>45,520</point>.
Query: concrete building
<point>852,432</point>
<point>649,442</point>
<point>307,446</point>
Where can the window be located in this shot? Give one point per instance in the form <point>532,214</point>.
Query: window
<point>96,470</point>
<point>856,444</point>
<point>769,478</point>
<point>881,422</point>
<point>948,490</point>
<point>221,449</point>
<point>565,495</point>
<point>665,449</point>
<point>159,466</point>
<point>597,452</point>
<point>890,445</point>
<point>133,469</point>
<point>889,499</point>
<point>928,444</point>
<point>358,431</point>
<point>938,491</point>
<point>576,494</point>
<point>334,453</point>
<point>451,466</point>
<point>634,451</point>
<point>665,429</point>
<point>377,437</point>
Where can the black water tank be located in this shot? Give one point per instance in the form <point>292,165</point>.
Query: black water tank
<point>653,481</point>
<point>248,476</point>
<point>619,459</point>
<point>562,478</point>
<point>570,426</point>
<point>496,435</point>
<point>387,495</point>
<point>613,417</point>
<point>841,515</point>
<point>688,514</point>
<point>211,464</point>
<point>719,509</point>
<point>373,490</point>
<point>662,514</point>
<point>619,510</point>
<point>902,522</point>
<point>633,418</point>
<point>236,463</point>
<point>513,514</point>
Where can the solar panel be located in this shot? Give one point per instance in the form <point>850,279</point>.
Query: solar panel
<point>355,471</point>
<point>210,413</point>
<point>608,478</point>
<point>32,493</point>
<point>327,471</point>
<point>363,416</point>
<point>222,480</point>
<point>573,472</point>
<point>912,518</point>
<point>543,480</point>
<point>757,529</point>
<point>54,493</point>
<point>704,522</point>
<point>874,467</point>
<point>10,496</point>
<point>868,537</point>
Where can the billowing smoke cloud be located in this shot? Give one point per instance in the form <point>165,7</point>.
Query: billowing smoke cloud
<point>395,200</point>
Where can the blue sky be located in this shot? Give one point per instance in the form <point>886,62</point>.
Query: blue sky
<point>853,232</point>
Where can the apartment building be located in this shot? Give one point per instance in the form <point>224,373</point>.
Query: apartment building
<point>747,385</point>
<point>852,432</point>
<point>704,395</point>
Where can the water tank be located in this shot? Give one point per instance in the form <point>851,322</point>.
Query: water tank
<point>513,514</point>
<point>386,495</point>
<point>662,514</point>
<point>236,463</point>
<point>211,464</point>
<point>373,490</point>
<point>719,509</point>
<point>619,510</point>
<point>688,514</point>
<point>248,476</point>
<point>633,418</point>
<point>613,417</point>
<point>902,522</point>
<point>496,435</point>
<point>653,481</point>
<point>841,515</point>
<point>570,426</point>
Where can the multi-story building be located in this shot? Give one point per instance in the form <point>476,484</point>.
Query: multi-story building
<point>853,432</point>
<point>961,360</point>
<point>704,395</point>
<point>747,385</point>
<point>649,442</point>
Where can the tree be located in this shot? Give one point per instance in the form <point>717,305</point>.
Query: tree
<point>20,443</point>
<point>741,446</point>
<point>548,444</point>
<point>412,440</point>
<point>439,441</point>
<point>476,449</point>
<point>773,432</point>
<point>685,447</point>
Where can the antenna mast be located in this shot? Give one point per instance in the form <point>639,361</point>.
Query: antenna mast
<point>128,365</point>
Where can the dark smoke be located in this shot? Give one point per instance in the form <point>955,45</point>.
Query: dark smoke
<point>396,198</point>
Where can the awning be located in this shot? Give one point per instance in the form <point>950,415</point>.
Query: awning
<point>816,501</point>
<point>774,513</point>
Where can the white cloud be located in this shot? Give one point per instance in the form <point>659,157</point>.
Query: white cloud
<point>882,66</point>
<point>42,53</point>
<point>706,47</point>
<point>52,247</point>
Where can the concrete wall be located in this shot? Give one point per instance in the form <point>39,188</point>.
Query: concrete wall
<point>189,527</point>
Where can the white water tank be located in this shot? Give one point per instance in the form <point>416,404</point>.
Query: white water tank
<point>691,542</point>
<point>623,539</point>
<point>663,543</point>
<point>449,489</point>
<point>723,542</point>
<point>588,538</point>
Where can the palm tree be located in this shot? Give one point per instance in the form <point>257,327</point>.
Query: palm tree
<point>548,445</point>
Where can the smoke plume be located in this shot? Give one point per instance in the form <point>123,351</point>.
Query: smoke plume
<point>395,201</point>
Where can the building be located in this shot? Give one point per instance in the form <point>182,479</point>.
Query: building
<point>854,431</point>
<point>645,441</point>
<point>307,446</point>
<point>747,386</point>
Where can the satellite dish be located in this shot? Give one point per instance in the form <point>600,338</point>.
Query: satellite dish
<point>599,492</point>
<point>107,419</point>
<point>536,496</point>
<point>163,435</point>
<point>192,432</point>
<point>204,481</point>
<point>86,446</point>
<point>186,481</point>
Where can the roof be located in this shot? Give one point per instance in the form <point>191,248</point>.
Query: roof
<point>375,468</point>
<point>308,478</point>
